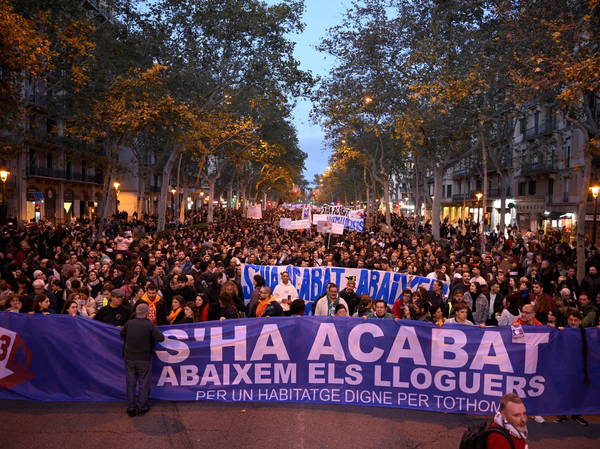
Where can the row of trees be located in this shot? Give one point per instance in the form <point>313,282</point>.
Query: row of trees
<point>197,89</point>
<point>420,86</point>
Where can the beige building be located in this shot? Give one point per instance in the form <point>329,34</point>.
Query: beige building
<point>546,176</point>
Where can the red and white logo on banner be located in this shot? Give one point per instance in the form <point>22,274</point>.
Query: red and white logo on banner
<point>15,359</point>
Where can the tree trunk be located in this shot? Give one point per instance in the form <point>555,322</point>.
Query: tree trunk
<point>108,195</point>
<point>242,200</point>
<point>438,184</point>
<point>211,199</point>
<point>385,184</point>
<point>369,220</point>
<point>141,190</point>
<point>582,212</point>
<point>417,199</point>
<point>485,187</point>
<point>229,196</point>
<point>502,203</point>
<point>164,191</point>
<point>183,204</point>
<point>176,204</point>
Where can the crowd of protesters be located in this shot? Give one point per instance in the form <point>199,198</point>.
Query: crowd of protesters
<point>191,273</point>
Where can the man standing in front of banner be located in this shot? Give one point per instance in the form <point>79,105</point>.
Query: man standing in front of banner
<point>325,305</point>
<point>140,334</point>
<point>285,292</point>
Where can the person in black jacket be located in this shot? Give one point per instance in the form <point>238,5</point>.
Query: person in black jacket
<point>115,312</point>
<point>349,294</point>
<point>140,335</point>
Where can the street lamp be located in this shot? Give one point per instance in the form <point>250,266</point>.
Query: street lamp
<point>368,100</point>
<point>478,195</point>
<point>116,186</point>
<point>3,177</point>
<point>595,191</point>
<point>173,192</point>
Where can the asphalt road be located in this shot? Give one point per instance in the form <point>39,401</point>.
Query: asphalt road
<point>182,425</point>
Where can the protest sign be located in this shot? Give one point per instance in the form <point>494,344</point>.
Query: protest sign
<point>300,224</point>
<point>254,212</point>
<point>323,226</point>
<point>327,360</point>
<point>337,228</point>
<point>312,281</point>
<point>352,220</point>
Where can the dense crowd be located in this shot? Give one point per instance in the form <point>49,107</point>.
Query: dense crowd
<point>192,272</point>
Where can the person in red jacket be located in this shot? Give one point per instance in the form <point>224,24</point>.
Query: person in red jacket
<point>511,416</point>
<point>527,317</point>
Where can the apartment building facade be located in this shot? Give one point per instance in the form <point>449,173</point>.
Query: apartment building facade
<point>543,176</point>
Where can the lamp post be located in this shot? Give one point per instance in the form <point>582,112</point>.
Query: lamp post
<point>3,213</point>
<point>173,192</point>
<point>116,186</point>
<point>595,191</point>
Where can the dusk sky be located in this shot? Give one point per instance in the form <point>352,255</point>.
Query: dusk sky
<point>319,16</point>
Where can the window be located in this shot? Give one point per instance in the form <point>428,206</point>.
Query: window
<point>69,170</point>
<point>550,119</point>
<point>522,189</point>
<point>49,160</point>
<point>83,169</point>
<point>523,125</point>
<point>536,120</point>
<point>51,126</point>
<point>550,187</point>
<point>568,155</point>
<point>531,187</point>
<point>449,191</point>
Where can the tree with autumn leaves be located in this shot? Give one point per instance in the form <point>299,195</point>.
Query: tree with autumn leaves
<point>173,82</point>
<point>563,61</point>
<point>462,73</point>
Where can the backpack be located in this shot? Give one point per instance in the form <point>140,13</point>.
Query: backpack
<point>475,437</point>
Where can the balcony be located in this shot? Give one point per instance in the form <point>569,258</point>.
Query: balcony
<point>465,172</point>
<point>96,179</point>
<point>534,168</point>
<point>546,128</point>
<point>463,196</point>
<point>36,98</point>
<point>60,173</point>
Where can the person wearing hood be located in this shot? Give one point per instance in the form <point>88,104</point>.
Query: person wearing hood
<point>267,304</point>
<point>512,417</point>
<point>157,306</point>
